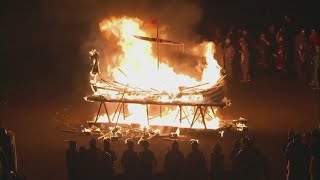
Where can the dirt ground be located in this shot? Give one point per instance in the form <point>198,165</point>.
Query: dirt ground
<point>272,103</point>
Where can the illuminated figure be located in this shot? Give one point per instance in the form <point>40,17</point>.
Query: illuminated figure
<point>94,56</point>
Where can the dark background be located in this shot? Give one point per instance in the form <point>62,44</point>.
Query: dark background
<point>45,66</point>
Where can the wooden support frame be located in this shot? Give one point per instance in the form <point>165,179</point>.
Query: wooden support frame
<point>200,111</point>
<point>106,110</point>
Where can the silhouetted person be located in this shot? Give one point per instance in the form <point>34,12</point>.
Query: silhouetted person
<point>107,148</point>
<point>195,162</point>
<point>147,160</point>
<point>106,166</point>
<point>264,51</point>
<point>83,160</point>
<point>4,167</point>
<point>248,161</point>
<point>95,157</point>
<point>129,160</point>
<point>174,162</point>
<point>291,134</point>
<point>289,139</point>
<point>72,160</point>
<point>235,150</point>
<point>302,62</point>
<point>229,53</point>
<point>297,155</point>
<point>315,155</point>
<point>7,143</point>
<point>316,61</point>
<point>217,162</point>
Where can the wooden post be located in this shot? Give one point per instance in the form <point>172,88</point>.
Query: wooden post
<point>98,114</point>
<point>194,117</point>
<point>203,117</point>
<point>116,111</point>
<point>124,116</point>
<point>118,116</point>
<point>147,109</point>
<point>105,108</point>
<point>180,111</point>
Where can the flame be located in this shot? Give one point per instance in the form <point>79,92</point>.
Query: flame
<point>137,67</point>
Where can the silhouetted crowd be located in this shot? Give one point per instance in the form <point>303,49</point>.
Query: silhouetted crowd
<point>93,163</point>
<point>285,49</point>
<point>302,156</point>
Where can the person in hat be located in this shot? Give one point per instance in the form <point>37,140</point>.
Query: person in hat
<point>72,156</point>
<point>95,158</point>
<point>195,162</point>
<point>248,162</point>
<point>174,162</point>
<point>107,149</point>
<point>297,156</point>
<point>216,162</point>
<point>146,160</point>
<point>129,160</point>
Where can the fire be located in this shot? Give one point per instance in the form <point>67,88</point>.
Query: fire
<point>137,67</point>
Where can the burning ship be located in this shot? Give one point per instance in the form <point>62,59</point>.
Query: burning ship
<point>143,91</point>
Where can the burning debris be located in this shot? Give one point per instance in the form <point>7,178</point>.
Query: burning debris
<point>149,94</point>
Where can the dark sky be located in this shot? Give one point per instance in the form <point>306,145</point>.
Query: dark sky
<point>43,39</point>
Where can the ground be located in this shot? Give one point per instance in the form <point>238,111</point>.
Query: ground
<point>273,104</point>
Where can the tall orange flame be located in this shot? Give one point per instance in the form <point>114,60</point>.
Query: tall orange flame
<point>139,63</point>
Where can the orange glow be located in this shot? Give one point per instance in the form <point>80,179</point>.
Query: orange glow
<point>139,63</point>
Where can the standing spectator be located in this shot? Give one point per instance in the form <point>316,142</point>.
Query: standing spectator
<point>107,149</point>
<point>316,61</point>
<point>3,165</point>
<point>301,38</point>
<point>7,143</point>
<point>314,38</point>
<point>218,35</point>
<point>195,162</point>
<point>313,42</point>
<point>297,156</point>
<point>106,166</point>
<point>229,53</point>
<point>302,61</point>
<point>264,51</point>
<point>245,36</point>
<point>147,160</point>
<point>174,162</point>
<point>84,168</point>
<point>235,150</point>
<point>217,163</point>
<point>289,139</point>
<point>287,30</point>
<point>315,155</point>
<point>248,161</point>
<point>245,57</point>
<point>280,54</point>
<point>218,55</point>
<point>72,156</point>
<point>271,37</point>
<point>95,157</point>
<point>129,160</point>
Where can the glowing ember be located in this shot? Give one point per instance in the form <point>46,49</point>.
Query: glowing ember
<point>138,73</point>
